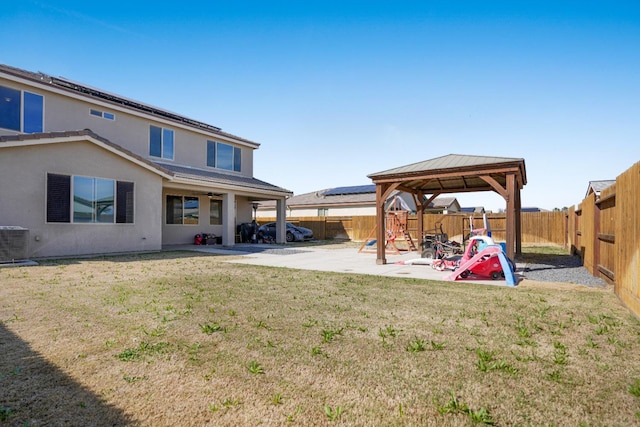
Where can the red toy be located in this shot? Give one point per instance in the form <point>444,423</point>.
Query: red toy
<point>481,258</point>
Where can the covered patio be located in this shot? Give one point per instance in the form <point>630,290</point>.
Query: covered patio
<point>454,173</point>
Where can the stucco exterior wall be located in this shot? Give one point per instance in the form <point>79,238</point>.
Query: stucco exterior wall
<point>23,174</point>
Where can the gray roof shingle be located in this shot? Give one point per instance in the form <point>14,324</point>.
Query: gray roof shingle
<point>214,177</point>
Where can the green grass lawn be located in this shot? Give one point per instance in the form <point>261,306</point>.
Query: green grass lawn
<point>188,339</point>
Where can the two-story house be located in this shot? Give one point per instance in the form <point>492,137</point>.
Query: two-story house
<point>87,172</point>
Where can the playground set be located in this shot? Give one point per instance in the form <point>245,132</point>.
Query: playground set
<point>396,231</point>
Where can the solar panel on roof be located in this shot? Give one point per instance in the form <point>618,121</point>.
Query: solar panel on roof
<point>354,189</point>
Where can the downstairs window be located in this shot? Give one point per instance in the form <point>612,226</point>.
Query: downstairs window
<point>81,199</point>
<point>183,210</point>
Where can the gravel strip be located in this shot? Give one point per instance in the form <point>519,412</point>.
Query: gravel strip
<point>563,269</point>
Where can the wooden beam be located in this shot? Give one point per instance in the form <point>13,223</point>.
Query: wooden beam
<point>389,188</point>
<point>432,198</point>
<point>495,185</point>
<point>610,274</point>
<point>408,186</point>
<point>404,187</point>
<point>609,238</point>
<point>606,198</point>
<point>461,190</point>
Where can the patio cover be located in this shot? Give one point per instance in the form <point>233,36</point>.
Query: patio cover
<point>454,173</point>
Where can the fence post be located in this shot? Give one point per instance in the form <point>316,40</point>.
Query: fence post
<point>324,228</point>
<point>596,240</point>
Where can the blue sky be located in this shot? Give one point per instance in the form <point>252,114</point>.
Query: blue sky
<point>336,90</point>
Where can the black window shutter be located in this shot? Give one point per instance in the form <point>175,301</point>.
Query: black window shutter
<point>58,198</point>
<point>124,202</point>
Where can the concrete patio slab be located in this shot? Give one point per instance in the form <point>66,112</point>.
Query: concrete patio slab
<point>340,260</point>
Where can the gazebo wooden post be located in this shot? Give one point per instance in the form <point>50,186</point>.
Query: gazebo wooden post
<point>518,221</point>
<point>418,199</point>
<point>511,214</point>
<point>380,225</point>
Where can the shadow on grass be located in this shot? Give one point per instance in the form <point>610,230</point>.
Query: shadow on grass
<point>190,251</point>
<point>35,392</point>
<point>127,257</point>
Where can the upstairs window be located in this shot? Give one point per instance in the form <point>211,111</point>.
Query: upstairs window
<point>103,114</point>
<point>21,111</point>
<point>161,142</point>
<point>224,156</point>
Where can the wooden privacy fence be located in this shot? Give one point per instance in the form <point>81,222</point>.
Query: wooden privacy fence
<point>538,228</point>
<point>604,231</point>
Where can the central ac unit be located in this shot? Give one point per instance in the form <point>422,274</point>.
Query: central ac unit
<point>13,243</point>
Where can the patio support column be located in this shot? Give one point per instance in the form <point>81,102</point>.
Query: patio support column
<point>228,219</point>
<point>281,220</point>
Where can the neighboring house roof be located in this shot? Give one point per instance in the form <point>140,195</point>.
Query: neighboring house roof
<point>598,186</point>
<point>473,209</point>
<point>321,198</point>
<point>168,171</point>
<point>90,92</point>
<point>184,173</point>
<point>22,140</point>
<point>353,189</point>
<point>442,203</point>
<point>358,195</point>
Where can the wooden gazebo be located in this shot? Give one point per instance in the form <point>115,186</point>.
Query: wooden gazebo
<point>454,173</point>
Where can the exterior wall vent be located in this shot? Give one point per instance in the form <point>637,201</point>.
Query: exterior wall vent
<point>13,243</point>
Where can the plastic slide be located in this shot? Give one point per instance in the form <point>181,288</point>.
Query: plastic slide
<point>481,256</point>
